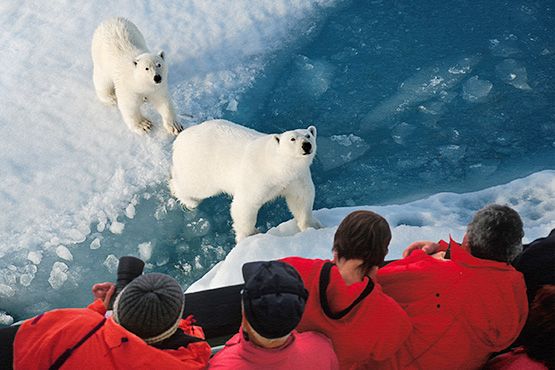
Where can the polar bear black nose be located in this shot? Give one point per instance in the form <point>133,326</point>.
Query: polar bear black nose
<point>157,79</point>
<point>307,147</point>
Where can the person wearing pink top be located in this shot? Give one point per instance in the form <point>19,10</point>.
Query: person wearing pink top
<point>273,302</point>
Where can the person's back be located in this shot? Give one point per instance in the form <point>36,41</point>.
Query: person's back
<point>462,308</point>
<point>306,351</point>
<point>85,339</point>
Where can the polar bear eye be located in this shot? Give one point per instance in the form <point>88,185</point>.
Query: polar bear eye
<point>292,139</point>
<point>158,65</point>
<point>146,69</point>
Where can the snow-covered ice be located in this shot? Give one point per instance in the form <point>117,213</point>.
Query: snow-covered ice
<point>433,218</point>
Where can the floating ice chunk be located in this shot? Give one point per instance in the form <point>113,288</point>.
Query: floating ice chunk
<point>117,227</point>
<point>513,73</point>
<point>35,257</point>
<point>198,265</point>
<point>313,77</point>
<point>95,244</point>
<point>434,108</point>
<point>430,81</point>
<point>27,275</point>
<point>232,105</point>
<point>5,319</point>
<point>145,251</point>
<point>504,48</point>
<point>6,291</point>
<point>64,253</point>
<point>58,275</point>
<point>452,153</point>
<point>78,236</point>
<point>111,262</point>
<point>130,211</point>
<point>197,228</point>
<point>476,90</point>
<point>337,150</point>
<point>402,132</point>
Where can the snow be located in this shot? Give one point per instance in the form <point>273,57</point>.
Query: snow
<point>434,218</point>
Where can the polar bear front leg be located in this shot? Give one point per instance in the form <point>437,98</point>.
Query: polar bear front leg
<point>130,108</point>
<point>300,198</point>
<point>164,107</point>
<point>243,214</point>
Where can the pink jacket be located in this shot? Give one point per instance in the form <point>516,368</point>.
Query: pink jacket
<point>309,350</point>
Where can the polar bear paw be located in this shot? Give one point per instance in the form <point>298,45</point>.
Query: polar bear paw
<point>174,128</point>
<point>143,126</point>
<point>312,223</point>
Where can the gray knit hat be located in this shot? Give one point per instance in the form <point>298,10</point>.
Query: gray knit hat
<point>150,307</point>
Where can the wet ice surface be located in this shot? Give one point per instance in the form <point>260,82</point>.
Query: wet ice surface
<point>408,100</point>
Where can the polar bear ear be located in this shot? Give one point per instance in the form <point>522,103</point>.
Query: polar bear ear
<point>312,130</point>
<point>276,138</point>
<point>161,54</point>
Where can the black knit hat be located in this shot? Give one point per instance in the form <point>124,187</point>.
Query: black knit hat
<point>150,307</point>
<point>274,297</point>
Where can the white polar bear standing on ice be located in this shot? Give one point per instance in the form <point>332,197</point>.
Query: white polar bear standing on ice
<point>219,156</point>
<point>126,73</point>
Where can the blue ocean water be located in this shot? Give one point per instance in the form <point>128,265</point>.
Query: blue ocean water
<point>409,99</point>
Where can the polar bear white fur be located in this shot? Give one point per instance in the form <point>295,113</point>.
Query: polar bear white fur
<point>127,74</point>
<point>219,156</point>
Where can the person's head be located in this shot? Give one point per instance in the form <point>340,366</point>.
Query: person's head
<point>273,301</point>
<point>362,235</point>
<point>537,263</point>
<point>495,233</point>
<point>539,331</point>
<point>150,307</point>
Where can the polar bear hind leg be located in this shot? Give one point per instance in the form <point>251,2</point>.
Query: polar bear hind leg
<point>187,201</point>
<point>104,86</point>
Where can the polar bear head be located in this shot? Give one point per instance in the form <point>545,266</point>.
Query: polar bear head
<point>299,143</point>
<point>150,70</point>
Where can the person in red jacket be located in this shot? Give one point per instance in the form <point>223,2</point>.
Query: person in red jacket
<point>537,349</point>
<point>465,301</point>
<point>345,301</point>
<point>145,332</point>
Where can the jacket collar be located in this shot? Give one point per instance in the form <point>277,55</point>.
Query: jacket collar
<point>116,335</point>
<point>462,257</point>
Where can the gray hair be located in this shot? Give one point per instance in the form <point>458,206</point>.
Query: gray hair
<point>495,233</point>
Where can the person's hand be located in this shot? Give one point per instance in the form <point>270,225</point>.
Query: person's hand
<point>426,246</point>
<point>104,291</point>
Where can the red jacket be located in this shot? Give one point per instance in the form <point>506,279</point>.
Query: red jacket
<point>462,309</point>
<point>41,340</point>
<point>374,329</point>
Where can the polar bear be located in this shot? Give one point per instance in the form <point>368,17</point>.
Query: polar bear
<point>219,156</point>
<point>127,74</point>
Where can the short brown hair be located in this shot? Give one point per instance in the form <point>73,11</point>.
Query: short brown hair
<point>363,235</point>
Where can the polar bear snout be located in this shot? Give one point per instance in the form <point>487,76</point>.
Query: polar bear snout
<point>307,147</point>
<point>157,79</point>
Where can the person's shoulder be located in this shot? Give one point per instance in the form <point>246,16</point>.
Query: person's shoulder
<point>228,355</point>
<point>300,263</point>
<point>314,342</point>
